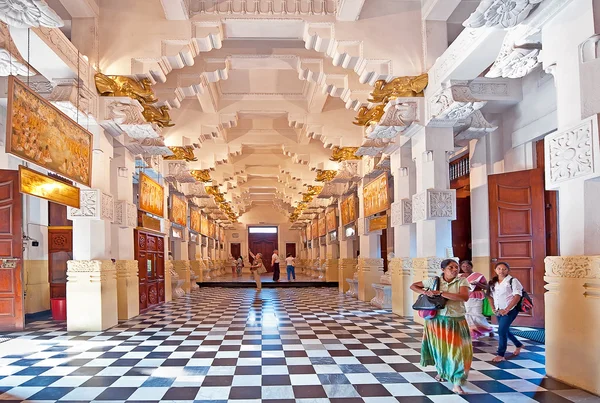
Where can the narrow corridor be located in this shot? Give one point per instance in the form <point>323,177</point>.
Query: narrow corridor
<point>303,344</point>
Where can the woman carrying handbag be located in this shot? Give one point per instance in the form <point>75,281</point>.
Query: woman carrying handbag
<point>446,337</point>
<point>257,269</point>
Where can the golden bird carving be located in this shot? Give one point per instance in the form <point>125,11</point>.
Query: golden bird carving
<point>399,87</point>
<point>368,116</point>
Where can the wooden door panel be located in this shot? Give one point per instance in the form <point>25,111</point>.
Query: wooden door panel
<point>290,248</point>
<point>150,248</point>
<point>517,233</point>
<point>11,242</point>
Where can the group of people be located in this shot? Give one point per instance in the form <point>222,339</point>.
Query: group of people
<point>447,337</point>
<point>257,268</point>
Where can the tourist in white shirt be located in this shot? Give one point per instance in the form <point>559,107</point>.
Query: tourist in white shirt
<point>506,292</point>
<point>275,265</point>
<point>290,266</point>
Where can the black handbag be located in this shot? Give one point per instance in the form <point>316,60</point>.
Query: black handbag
<point>425,303</point>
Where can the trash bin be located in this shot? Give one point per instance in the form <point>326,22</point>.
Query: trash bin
<point>59,308</point>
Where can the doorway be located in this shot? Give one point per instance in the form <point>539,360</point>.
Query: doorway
<point>236,250</point>
<point>263,240</point>
<point>290,248</point>
<point>461,227</point>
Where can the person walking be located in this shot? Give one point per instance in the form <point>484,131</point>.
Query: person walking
<point>275,265</point>
<point>257,268</point>
<point>446,337</point>
<point>478,324</point>
<point>233,263</point>
<point>506,292</point>
<point>290,266</point>
<point>239,266</point>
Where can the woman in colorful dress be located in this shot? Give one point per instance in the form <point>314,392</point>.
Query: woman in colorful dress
<point>446,337</point>
<point>478,324</point>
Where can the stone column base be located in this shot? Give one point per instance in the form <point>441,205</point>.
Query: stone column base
<point>128,289</point>
<point>423,268</point>
<point>91,295</point>
<point>194,276</point>
<point>353,288</point>
<point>383,296</point>
<point>176,282</point>
<point>572,305</point>
<point>331,269</point>
<point>182,268</point>
<point>346,270</point>
<point>402,295</point>
<point>369,272</point>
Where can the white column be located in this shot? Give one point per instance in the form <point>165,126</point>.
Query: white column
<point>478,180</point>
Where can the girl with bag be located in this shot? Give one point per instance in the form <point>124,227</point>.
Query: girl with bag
<point>446,337</point>
<point>257,269</point>
<point>506,292</point>
<point>478,324</point>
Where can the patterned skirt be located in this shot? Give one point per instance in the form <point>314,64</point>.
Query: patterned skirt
<point>477,322</point>
<point>447,345</point>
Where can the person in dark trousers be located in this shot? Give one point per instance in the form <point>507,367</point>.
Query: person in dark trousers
<point>275,265</point>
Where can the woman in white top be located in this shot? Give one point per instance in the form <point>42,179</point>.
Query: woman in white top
<point>290,266</point>
<point>506,292</point>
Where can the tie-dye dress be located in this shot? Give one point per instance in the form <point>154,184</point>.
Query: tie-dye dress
<point>446,338</point>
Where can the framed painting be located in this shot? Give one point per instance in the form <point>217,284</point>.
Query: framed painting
<point>348,206</point>
<point>331,222</point>
<point>378,223</point>
<point>375,196</point>
<point>38,132</point>
<point>39,185</point>
<point>195,219</point>
<point>152,195</point>
<point>204,225</point>
<point>322,229</point>
<point>211,229</point>
<point>179,210</point>
<point>315,228</point>
<point>308,232</point>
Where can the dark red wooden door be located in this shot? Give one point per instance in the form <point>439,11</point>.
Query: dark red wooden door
<point>149,252</point>
<point>236,250</point>
<point>11,243</point>
<point>290,247</point>
<point>518,233</point>
<point>265,244</point>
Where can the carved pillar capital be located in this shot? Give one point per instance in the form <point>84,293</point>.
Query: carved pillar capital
<point>434,203</point>
<point>94,271</point>
<point>94,205</point>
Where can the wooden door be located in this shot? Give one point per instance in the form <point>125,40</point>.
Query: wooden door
<point>461,229</point>
<point>60,251</point>
<point>265,244</point>
<point>383,248</point>
<point>11,252</point>
<point>149,252</point>
<point>517,233</point>
<point>290,247</point>
<point>236,250</point>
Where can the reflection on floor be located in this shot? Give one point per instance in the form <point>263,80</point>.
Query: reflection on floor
<point>265,278</point>
<point>307,344</point>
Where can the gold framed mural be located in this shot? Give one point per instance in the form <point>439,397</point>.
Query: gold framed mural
<point>315,228</point>
<point>39,185</point>
<point>375,196</point>
<point>348,207</point>
<point>195,219</point>
<point>38,132</point>
<point>331,222</point>
<point>378,223</point>
<point>211,229</point>
<point>322,229</point>
<point>152,195</point>
<point>179,210</point>
<point>204,224</point>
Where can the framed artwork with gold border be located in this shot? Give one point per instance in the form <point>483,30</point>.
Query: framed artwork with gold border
<point>308,232</point>
<point>331,221</point>
<point>378,223</point>
<point>152,195</point>
<point>211,229</point>
<point>315,228</point>
<point>38,132</point>
<point>322,228</point>
<point>375,196</point>
<point>179,210</point>
<point>195,219</point>
<point>348,207</point>
<point>39,185</point>
<point>204,224</point>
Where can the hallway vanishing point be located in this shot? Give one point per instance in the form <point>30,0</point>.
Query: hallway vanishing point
<point>217,344</point>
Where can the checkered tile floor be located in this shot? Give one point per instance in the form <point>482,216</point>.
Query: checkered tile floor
<point>304,345</point>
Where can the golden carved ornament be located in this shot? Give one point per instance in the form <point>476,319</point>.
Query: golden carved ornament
<point>313,190</point>
<point>340,154</point>
<point>368,116</point>
<point>182,153</point>
<point>159,115</point>
<point>201,175</point>
<point>399,87</point>
<point>325,175</point>
<point>121,86</point>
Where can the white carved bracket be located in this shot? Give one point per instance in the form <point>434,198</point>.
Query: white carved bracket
<point>434,203</point>
<point>402,213</point>
<point>573,153</point>
<point>399,115</point>
<point>95,205</point>
<point>122,115</point>
<point>125,214</point>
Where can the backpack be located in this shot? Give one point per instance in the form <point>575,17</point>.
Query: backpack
<point>525,303</point>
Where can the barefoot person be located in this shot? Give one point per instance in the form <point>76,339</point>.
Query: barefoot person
<point>257,268</point>
<point>275,265</point>
<point>446,337</point>
<point>478,324</point>
<point>506,292</point>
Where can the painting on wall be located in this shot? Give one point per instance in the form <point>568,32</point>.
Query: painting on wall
<point>179,210</point>
<point>348,207</point>
<point>315,228</point>
<point>38,132</point>
<point>322,229</point>
<point>308,232</point>
<point>151,199</point>
<point>203,224</point>
<point>378,223</point>
<point>195,219</point>
<point>45,187</point>
<point>331,221</point>
<point>211,229</point>
<point>375,196</point>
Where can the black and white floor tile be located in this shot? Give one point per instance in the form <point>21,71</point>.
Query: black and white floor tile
<point>240,345</point>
